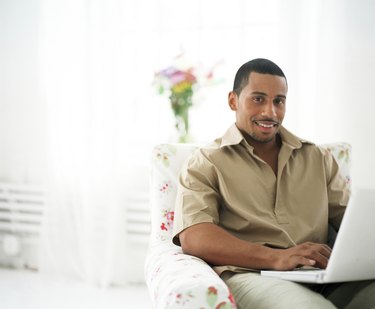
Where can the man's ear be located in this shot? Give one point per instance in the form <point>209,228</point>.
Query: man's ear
<point>233,100</point>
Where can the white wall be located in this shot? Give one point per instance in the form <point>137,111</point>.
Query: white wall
<point>346,81</point>
<point>21,107</point>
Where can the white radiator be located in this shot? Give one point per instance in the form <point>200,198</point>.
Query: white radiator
<point>138,222</point>
<point>21,211</point>
<point>21,215</point>
<point>138,225</point>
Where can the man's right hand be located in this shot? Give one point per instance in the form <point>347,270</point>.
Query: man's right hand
<point>305,254</point>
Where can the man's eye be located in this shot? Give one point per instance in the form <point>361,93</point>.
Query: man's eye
<point>279,101</point>
<point>258,99</point>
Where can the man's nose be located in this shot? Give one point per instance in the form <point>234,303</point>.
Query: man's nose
<point>269,110</point>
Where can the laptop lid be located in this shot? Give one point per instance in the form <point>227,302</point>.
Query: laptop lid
<point>353,255</point>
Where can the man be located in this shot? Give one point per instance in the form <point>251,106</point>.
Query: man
<point>262,198</point>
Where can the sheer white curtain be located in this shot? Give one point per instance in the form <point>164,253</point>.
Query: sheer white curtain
<point>81,79</point>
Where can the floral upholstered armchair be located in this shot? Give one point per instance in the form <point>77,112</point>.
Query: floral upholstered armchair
<point>176,280</point>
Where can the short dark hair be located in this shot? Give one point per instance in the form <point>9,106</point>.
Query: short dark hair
<point>259,65</point>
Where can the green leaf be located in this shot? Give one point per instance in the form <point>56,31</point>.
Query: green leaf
<point>161,89</point>
<point>211,296</point>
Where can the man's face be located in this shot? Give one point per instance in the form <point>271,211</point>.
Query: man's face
<point>260,107</point>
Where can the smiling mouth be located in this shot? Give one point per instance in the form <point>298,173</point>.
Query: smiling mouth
<point>266,123</point>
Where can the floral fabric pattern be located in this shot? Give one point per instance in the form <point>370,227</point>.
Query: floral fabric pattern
<point>176,280</point>
<point>342,152</point>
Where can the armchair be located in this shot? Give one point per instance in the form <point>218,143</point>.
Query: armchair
<point>176,280</point>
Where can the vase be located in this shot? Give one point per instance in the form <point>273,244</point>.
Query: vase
<point>181,104</point>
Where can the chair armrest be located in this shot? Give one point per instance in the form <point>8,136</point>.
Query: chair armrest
<point>177,280</point>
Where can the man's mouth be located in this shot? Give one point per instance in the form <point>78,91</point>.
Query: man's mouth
<point>266,123</point>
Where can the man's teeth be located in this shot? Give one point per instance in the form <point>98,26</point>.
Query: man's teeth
<point>266,125</point>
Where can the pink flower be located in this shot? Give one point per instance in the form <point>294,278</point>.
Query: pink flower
<point>170,215</point>
<point>212,290</point>
<point>176,76</point>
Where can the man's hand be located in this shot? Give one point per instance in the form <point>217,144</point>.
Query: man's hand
<point>305,254</point>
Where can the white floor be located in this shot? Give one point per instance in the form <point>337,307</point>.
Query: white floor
<point>31,290</point>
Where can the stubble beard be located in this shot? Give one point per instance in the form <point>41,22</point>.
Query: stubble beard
<point>261,140</point>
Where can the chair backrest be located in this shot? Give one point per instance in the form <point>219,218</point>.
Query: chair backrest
<point>166,163</point>
<point>165,166</point>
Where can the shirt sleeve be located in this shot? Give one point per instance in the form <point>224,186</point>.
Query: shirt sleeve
<point>197,198</point>
<point>337,189</point>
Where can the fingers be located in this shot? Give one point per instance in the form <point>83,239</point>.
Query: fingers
<point>287,261</point>
<point>305,262</point>
<point>319,253</point>
<point>306,254</point>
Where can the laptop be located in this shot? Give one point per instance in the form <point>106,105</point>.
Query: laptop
<point>353,254</point>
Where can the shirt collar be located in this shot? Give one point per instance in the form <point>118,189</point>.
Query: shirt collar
<point>233,136</point>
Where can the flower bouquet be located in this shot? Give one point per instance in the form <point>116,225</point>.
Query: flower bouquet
<point>180,82</point>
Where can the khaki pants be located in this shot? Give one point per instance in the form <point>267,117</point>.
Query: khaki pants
<point>250,290</point>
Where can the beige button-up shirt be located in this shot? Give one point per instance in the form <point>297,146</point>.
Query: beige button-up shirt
<point>228,185</point>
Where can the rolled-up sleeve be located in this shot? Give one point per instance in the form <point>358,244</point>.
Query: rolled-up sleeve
<point>197,198</point>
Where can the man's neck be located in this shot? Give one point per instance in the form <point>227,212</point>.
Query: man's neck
<point>265,147</point>
<point>268,152</point>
